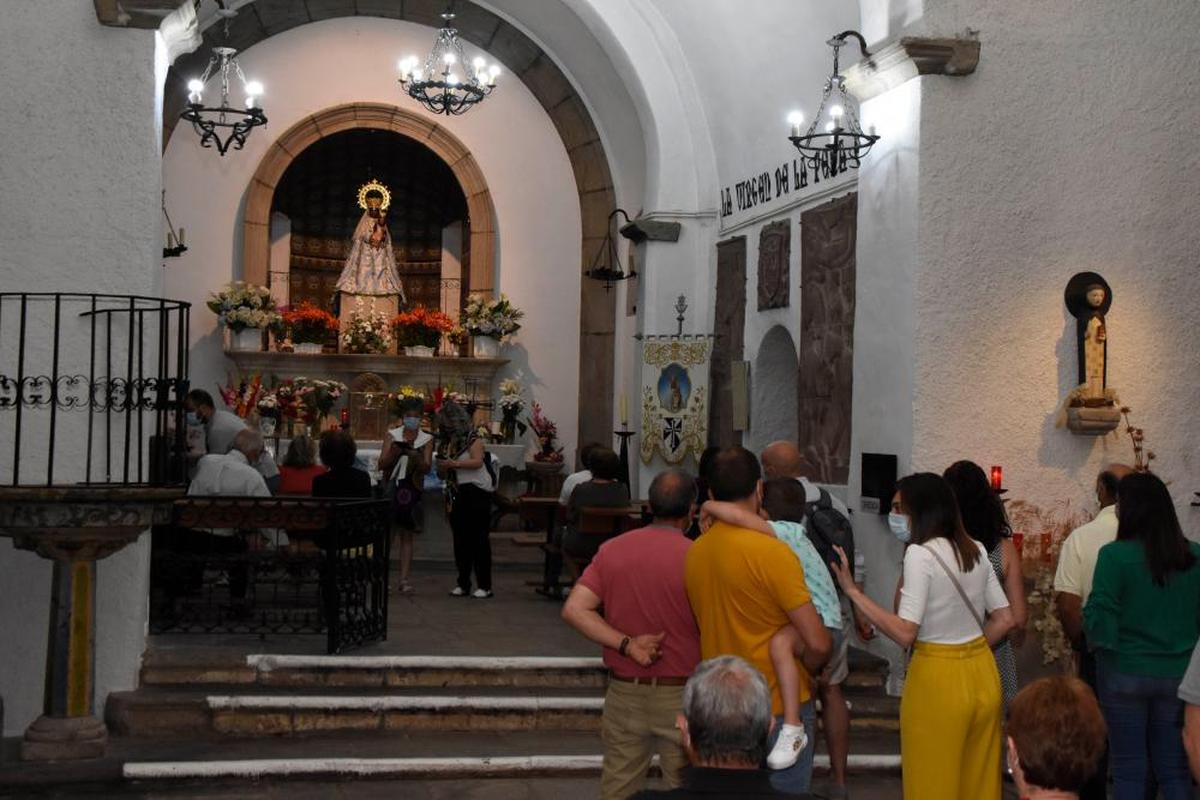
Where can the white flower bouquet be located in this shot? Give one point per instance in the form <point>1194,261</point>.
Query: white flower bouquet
<point>241,306</point>
<point>367,332</point>
<point>497,319</point>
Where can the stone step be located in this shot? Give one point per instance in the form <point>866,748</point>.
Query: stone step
<point>134,766</point>
<point>263,711</point>
<point>216,668</point>
<point>197,668</point>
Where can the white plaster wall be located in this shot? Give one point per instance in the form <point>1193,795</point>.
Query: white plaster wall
<point>79,211</point>
<point>885,327</point>
<point>1072,148</point>
<point>339,61</point>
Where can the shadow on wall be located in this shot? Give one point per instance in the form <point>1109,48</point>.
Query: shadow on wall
<point>1056,447</point>
<point>774,408</point>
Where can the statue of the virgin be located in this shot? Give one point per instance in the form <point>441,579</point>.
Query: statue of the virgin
<point>371,266</point>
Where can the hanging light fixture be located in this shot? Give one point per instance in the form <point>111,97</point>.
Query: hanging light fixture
<point>447,83</point>
<point>834,141</point>
<point>606,266</point>
<point>224,126</point>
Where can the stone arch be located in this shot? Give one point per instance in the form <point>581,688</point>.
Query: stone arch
<point>774,406</point>
<point>256,238</point>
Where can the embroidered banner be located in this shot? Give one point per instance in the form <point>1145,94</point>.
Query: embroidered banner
<point>674,396</point>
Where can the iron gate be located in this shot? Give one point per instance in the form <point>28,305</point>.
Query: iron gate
<point>231,565</point>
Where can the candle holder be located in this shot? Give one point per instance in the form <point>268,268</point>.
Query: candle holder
<point>997,480</point>
<point>623,451</point>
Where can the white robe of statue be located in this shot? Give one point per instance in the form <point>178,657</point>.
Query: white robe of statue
<point>371,266</point>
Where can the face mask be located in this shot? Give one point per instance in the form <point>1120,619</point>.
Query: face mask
<point>899,525</point>
<point>194,419</point>
<point>412,423</point>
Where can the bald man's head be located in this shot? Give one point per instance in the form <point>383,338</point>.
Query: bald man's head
<point>1107,482</point>
<point>784,460</point>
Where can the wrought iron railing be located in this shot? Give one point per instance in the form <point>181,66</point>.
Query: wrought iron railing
<point>284,565</point>
<point>92,389</point>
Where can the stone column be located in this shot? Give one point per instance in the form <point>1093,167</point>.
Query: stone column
<point>75,528</point>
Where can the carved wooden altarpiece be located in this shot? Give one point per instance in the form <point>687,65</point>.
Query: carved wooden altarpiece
<point>827,266</point>
<point>774,254</point>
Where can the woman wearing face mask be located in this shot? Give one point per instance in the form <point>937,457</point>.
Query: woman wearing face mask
<point>951,611</point>
<point>404,464</point>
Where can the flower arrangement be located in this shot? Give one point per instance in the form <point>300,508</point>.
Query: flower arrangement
<point>402,398</point>
<point>366,332</point>
<point>495,319</point>
<point>308,399</point>
<point>309,324</point>
<point>240,305</point>
<point>1141,456</point>
<point>546,432</point>
<point>458,336</point>
<point>242,396</point>
<point>421,327</point>
<point>511,405</point>
<point>268,406</point>
<point>1040,546</point>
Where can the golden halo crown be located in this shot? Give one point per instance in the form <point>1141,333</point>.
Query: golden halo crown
<point>374,186</point>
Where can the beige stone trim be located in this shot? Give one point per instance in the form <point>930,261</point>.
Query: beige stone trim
<point>908,58</point>
<point>256,242</point>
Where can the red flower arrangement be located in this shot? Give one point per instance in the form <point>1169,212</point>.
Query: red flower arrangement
<point>308,323</point>
<point>421,327</point>
<point>546,432</point>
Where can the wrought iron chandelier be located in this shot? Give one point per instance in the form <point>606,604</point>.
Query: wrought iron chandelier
<point>224,126</point>
<point>606,266</point>
<point>834,141</point>
<point>438,84</point>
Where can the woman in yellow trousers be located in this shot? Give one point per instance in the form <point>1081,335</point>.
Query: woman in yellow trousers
<point>952,609</point>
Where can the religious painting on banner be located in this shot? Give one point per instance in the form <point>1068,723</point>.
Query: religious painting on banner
<point>674,396</point>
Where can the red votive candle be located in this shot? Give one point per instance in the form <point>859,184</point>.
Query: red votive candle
<point>346,424</point>
<point>997,478</point>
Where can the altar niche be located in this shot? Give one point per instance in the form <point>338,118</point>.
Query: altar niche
<point>318,195</point>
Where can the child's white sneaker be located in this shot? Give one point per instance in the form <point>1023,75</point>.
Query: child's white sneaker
<point>788,747</point>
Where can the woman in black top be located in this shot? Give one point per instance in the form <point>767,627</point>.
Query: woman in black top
<point>343,479</point>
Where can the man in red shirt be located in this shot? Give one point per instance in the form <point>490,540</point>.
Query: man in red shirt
<point>650,638</point>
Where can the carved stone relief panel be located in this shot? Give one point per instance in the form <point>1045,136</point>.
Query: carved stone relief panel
<point>827,266</point>
<point>774,255</point>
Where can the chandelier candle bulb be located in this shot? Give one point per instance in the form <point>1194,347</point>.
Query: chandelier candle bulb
<point>181,237</point>
<point>796,120</point>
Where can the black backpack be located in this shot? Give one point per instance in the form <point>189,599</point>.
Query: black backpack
<point>826,527</point>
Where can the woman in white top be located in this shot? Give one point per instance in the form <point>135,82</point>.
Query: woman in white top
<point>470,484</point>
<point>951,610</point>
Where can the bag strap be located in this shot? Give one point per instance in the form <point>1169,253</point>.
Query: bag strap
<point>958,586</point>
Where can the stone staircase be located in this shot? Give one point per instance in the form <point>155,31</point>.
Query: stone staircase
<point>203,715</point>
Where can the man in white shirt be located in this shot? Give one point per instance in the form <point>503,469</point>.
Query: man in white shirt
<point>1077,559</point>
<point>220,429</point>
<point>1073,584</point>
<point>231,474</point>
<point>784,460</point>
<point>582,476</point>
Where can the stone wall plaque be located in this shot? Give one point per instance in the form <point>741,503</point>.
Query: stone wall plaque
<point>774,256</point>
<point>827,264</point>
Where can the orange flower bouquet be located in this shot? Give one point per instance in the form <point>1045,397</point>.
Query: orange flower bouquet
<point>309,324</point>
<point>421,327</point>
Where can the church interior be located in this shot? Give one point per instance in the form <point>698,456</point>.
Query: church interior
<point>897,233</point>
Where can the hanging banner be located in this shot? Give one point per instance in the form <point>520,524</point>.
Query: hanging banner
<point>674,396</point>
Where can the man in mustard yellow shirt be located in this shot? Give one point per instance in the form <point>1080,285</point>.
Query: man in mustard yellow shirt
<point>744,586</point>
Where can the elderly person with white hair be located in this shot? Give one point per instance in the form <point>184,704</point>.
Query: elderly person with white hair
<point>726,724</point>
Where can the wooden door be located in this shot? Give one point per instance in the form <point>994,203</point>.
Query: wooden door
<point>729,325</point>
